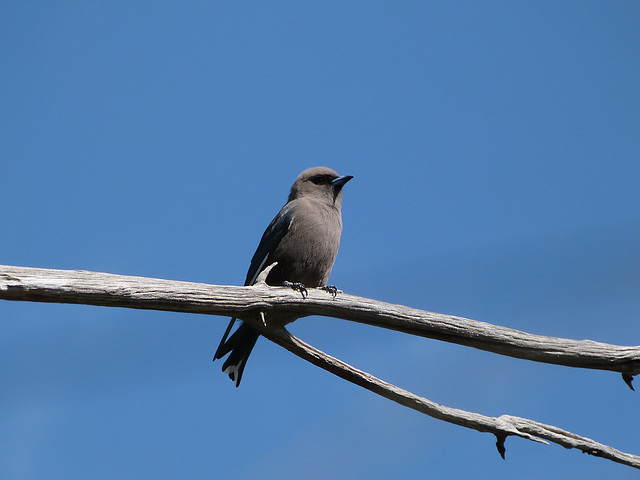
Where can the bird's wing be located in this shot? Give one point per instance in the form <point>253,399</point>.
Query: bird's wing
<point>277,229</point>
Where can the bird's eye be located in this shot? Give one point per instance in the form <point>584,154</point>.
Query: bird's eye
<point>319,179</point>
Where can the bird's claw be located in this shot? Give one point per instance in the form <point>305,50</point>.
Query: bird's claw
<point>298,287</point>
<point>332,289</point>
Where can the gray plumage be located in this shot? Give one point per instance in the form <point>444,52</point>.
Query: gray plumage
<point>304,239</point>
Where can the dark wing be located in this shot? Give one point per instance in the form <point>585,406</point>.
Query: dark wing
<point>277,229</point>
<point>271,237</point>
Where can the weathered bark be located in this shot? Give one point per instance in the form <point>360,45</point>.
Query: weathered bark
<point>268,309</point>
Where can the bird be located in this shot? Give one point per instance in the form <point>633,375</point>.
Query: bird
<point>303,239</point>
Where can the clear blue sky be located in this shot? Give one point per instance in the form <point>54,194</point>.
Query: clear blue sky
<point>496,153</point>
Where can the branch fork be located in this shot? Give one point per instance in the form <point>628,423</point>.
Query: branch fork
<point>254,303</point>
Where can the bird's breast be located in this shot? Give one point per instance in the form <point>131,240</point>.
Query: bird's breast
<point>307,252</point>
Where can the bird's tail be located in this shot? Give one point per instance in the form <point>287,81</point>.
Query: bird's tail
<point>240,345</point>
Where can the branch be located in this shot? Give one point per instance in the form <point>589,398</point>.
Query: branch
<point>281,306</point>
<point>501,427</point>
<point>104,289</point>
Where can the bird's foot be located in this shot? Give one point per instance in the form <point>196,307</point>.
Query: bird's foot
<point>332,289</point>
<point>298,287</point>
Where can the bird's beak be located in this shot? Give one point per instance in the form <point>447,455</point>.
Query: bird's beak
<point>339,182</point>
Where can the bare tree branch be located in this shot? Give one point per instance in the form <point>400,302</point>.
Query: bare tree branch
<point>280,306</point>
<point>501,427</point>
<point>93,288</point>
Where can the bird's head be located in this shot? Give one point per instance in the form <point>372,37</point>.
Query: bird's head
<point>319,182</point>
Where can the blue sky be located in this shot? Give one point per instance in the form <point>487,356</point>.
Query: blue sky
<point>495,151</point>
